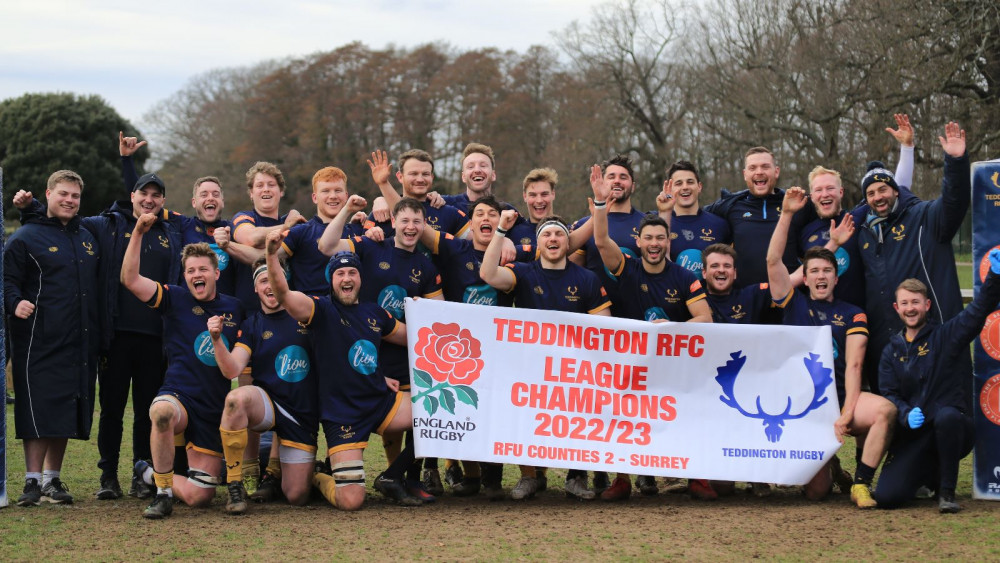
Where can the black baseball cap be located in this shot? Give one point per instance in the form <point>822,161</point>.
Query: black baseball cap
<point>150,179</point>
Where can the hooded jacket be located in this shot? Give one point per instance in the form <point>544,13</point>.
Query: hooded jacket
<point>914,241</point>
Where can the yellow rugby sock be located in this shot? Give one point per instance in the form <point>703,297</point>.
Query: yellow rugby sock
<point>164,481</point>
<point>326,485</point>
<point>274,467</point>
<point>234,443</point>
<point>393,444</point>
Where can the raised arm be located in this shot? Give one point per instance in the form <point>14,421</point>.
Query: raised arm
<point>126,148</point>
<point>492,273</point>
<point>779,280</point>
<point>298,304</point>
<point>381,170</point>
<point>231,364</point>
<point>140,286</point>
<point>665,204</point>
<point>331,241</point>
<point>611,255</point>
<point>903,133</point>
<point>949,210</point>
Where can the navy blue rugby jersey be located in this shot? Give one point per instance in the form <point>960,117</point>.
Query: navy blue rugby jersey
<point>690,234</point>
<point>244,285</point>
<point>651,297</point>
<point>389,275</point>
<point>850,270</point>
<point>741,306</point>
<point>346,341</point>
<point>281,363</point>
<point>460,265</point>
<point>573,289</point>
<point>306,263</point>
<point>842,317</point>
<point>191,367</point>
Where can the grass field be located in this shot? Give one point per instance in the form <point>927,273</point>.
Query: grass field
<point>549,527</point>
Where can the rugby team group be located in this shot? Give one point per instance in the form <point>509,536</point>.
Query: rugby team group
<point>308,316</point>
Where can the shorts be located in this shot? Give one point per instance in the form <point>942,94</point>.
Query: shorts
<point>202,431</point>
<point>353,435</point>
<point>290,431</point>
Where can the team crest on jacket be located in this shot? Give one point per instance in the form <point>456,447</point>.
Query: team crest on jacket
<point>898,232</point>
<point>197,310</point>
<point>163,241</point>
<point>89,247</point>
<point>53,249</point>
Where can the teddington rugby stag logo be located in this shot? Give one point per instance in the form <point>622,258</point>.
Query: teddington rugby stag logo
<point>821,378</point>
<point>448,362</point>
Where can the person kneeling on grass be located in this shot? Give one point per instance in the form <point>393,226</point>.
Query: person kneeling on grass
<point>283,395</point>
<point>189,404</point>
<point>934,428</point>
<point>354,399</point>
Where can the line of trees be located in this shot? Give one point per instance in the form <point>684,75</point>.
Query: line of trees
<point>816,80</point>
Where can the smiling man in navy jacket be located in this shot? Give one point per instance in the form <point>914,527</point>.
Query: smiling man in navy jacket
<point>934,427</point>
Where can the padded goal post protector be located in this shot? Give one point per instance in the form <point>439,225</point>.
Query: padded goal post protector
<point>986,355</point>
<point>3,362</point>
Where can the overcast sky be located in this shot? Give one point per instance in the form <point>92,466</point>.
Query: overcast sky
<point>137,53</point>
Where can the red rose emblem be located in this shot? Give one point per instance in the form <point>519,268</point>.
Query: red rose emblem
<point>448,352</point>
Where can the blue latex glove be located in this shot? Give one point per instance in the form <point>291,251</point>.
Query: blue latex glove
<point>915,418</point>
<point>995,260</point>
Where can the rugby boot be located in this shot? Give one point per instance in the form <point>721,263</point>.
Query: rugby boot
<point>453,475</point>
<point>431,479</point>
<point>759,490</point>
<point>268,490</point>
<point>250,483</point>
<point>32,495</point>
<point>525,488</point>
<point>861,495</point>
<point>140,488</point>
<point>161,507</point>
<point>646,485</point>
<point>110,489</point>
<point>701,489</point>
<point>494,490</point>
<point>56,492</point>
<point>394,489</point>
<point>841,478</point>
<point>543,482</point>
<point>237,501</point>
<point>675,485</point>
<point>416,489</point>
<point>577,488</point>
<point>601,482</point>
<point>620,489</point>
<point>947,504</point>
<point>467,487</point>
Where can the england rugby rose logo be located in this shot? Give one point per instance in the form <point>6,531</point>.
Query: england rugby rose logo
<point>448,362</point>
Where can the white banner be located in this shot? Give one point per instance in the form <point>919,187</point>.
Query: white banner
<point>707,401</point>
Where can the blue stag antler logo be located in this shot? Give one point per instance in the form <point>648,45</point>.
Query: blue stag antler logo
<point>821,378</point>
